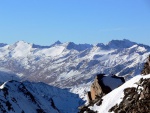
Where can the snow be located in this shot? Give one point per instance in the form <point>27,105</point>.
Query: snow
<point>51,52</point>
<point>5,70</point>
<point>68,75</point>
<point>141,49</point>
<point>22,49</point>
<point>116,95</point>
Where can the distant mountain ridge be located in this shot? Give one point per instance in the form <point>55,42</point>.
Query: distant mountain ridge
<point>68,65</point>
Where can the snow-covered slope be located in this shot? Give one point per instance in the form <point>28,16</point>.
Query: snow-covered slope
<point>28,97</point>
<point>116,95</point>
<point>70,65</point>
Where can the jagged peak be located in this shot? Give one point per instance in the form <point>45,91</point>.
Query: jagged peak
<point>116,44</point>
<point>120,43</point>
<point>56,43</point>
<point>78,47</point>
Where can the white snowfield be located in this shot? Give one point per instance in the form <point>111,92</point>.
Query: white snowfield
<point>116,95</point>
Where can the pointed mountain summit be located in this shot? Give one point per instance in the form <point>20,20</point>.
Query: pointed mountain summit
<point>78,47</point>
<point>56,43</point>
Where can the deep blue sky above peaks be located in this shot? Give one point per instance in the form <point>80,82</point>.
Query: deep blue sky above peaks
<point>81,21</point>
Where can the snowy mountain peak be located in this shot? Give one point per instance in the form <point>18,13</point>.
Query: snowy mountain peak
<point>120,44</point>
<point>20,49</point>
<point>78,47</point>
<point>56,43</point>
<point>21,42</point>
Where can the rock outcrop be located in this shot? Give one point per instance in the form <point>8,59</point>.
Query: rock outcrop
<point>146,69</point>
<point>96,87</point>
<point>103,85</point>
<point>135,100</point>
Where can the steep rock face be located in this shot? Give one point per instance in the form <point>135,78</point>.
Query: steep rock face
<point>96,87</point>
<point>135,100</point>
<point>104,84</point>
<point>146,69</point>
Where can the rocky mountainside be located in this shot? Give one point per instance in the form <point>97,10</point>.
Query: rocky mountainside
<point>131,97</point>
<point>70,65</point>
<point>135,94</point>
<point>146,69</point>
<point>136,99</point>
<point>29,97</point>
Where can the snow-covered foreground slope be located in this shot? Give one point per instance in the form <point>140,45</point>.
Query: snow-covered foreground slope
<point>29,97</point>
<point>69,65</point>
<point>116,95</point>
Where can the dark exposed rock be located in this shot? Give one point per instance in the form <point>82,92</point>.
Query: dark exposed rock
<point>22,111</point>
<point>5,91</point>
<point>8,104</point>
<point>146,69</point>
<point>40,111</point>
<point>89,98</point>
<point>85,108</point>
<point>135,100</point>
<point>53,105</point>
<point>100,87</point>
<point>23,89</point>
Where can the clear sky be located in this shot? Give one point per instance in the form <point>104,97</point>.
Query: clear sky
<point>81,21</point>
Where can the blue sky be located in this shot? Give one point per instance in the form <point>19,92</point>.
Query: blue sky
<point>81,21</point>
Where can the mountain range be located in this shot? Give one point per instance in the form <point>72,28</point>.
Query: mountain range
<point>70,65</point>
